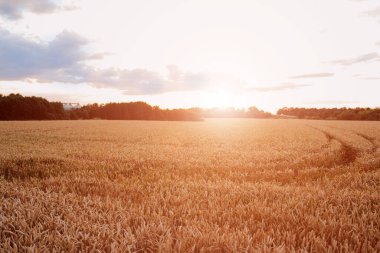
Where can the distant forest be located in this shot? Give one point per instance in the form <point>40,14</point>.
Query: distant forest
<point>132,111</point>
<point>332,113</point>
<point>18,107</point>
<point>252,112</point>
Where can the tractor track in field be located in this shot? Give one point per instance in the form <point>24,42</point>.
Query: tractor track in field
<point>369,139</point>
<point>374,164</point>
<point>348,153</point>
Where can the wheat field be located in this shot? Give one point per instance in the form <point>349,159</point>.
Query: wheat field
<point>222,185</point>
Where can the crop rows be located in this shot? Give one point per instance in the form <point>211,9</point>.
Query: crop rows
<point>213,186</point>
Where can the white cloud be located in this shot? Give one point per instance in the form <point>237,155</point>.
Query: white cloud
<point>142,81</point>
<point>14,9</point>
<point>373,13</point>
<point>285,86</point>
<point>21,58</point>
<point>313,75</point>
<point>358,59</point>
<point>331,102</point>
<point>63,60</point>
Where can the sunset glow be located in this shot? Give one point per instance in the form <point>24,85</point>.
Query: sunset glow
<point>235,53</point>
<point>189,126</point>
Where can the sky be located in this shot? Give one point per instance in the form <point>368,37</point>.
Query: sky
<point>193,53</point>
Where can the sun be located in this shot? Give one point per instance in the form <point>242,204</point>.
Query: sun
<point>220,99</point>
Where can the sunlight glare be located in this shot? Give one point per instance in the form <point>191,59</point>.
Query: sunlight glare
<point>220,99</point>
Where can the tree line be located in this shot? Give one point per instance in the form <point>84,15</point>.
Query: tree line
<point>132,111</point>
<point>18,107</point>
<point>332,113</point>
<point>251,112</point>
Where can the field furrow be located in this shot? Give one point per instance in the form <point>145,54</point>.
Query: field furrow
<point>213,186</point>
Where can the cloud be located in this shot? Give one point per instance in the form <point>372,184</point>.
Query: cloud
<point>369,78</point>
<point>181,79</point>
<point>359,59</point>
<point>142,81</point>
<point>63,60</point>
<point>373,13</point>
<point>14,9</point>
<point>331,102</point>
<point>313,75</point>
<point>21,58</point>
<point>133,82</point>
<point>285,86</point>
<point>98,56</point>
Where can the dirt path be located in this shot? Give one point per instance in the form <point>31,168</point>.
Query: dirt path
<point>348,153</point>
